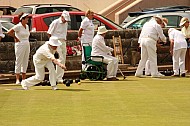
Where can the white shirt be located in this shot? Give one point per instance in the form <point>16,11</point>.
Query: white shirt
<point>179,39</point>
<point>88,30</point>
<point>153,30</point>
<point>99,47</point>
<point>22,33</point>
<point>186,31</point>
<point>1,32</point>
<point>58,29</point>
<point>44,53</point>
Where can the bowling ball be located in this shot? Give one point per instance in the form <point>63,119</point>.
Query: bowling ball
<point>64,81</point>
<point>71,81</point>
<point>67,83</point>
<point>48,83</point>
<point>77,80</point>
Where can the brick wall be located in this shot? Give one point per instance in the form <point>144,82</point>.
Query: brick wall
<point>129,39</point>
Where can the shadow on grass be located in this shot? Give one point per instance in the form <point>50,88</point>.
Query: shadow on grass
<point>93,82</point>
<point>167,78</point>
<point>14,89</point>
<point>125,80</point>
<point>77,90</point>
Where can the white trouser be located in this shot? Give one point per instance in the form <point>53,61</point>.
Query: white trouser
<point>179,61</point>
<point>40,74</point>
<point>62,50</point>
<point>112,65</point>
<point>84,43</point>
<point>22,56</point>
<point>147,68</point>
<point>148,51</point>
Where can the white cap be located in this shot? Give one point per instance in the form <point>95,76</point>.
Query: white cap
<point>66,15</point>
<point>53,41</point>
<point>102,30</point>
<point>24,15</point>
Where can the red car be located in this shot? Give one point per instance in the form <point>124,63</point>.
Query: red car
<point>41,22</point>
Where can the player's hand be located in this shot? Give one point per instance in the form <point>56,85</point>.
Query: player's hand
<point>78,39</point>
<point>63,67</point>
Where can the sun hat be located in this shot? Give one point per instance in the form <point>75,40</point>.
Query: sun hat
<point>66,15</point>
<point>159,17</point>
<point>53,41</point>
<point>183,21</point>
<point>102,30</point>
<point>24,15</point>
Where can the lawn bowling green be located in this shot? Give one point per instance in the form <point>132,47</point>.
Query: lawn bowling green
<point>134,101</point>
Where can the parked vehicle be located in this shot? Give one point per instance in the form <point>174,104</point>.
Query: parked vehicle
<point>44,8</point>
<point>41,22</point>
<point>7,10</point>
<point>133,15</point>
<point>6,25</point>
<point>173,19</point>
<point>76,19</point>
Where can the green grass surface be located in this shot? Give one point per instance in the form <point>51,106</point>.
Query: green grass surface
<point>130,102</point>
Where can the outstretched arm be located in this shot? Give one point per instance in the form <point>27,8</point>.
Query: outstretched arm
<point>59,64</point>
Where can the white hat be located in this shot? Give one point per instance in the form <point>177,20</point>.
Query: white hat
<point>24,15</point>
<point>159,17</point>
<point>66,15</point>
<point>171,29</point>
<point>102,30</point>
<point>183,21</point>
<point>53,41</point>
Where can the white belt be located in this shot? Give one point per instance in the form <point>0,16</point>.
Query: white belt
<point>149,38</point>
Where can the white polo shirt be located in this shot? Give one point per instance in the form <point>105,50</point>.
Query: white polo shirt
<point>44,53</point>
<point>153,30</point>
<point>186,31</point>
<point>58,29</point>
<point>88,29</point>
<point>22,33</point>
<point>179,39</point>
<point>99,47</point>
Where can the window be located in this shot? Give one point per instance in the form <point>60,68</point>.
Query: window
<point>7,25</point>
<point>139,23</point>
<point>48,20</point>
<point>24,10</point>
<point>97,24</point>
<point>173,20</point>
<point>75,22</point>
<point>42,10</point>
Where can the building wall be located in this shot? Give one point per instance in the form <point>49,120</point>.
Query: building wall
<point>129,40</point>
<point>100,6</point>
<point>95,5</point>
<point>118,11</point>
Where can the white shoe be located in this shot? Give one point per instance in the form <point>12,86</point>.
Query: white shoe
<point>162,75</point>
<point>140,76</point>
<point>54,87</point>
<point>17,82</point>
<point>24,86</point>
